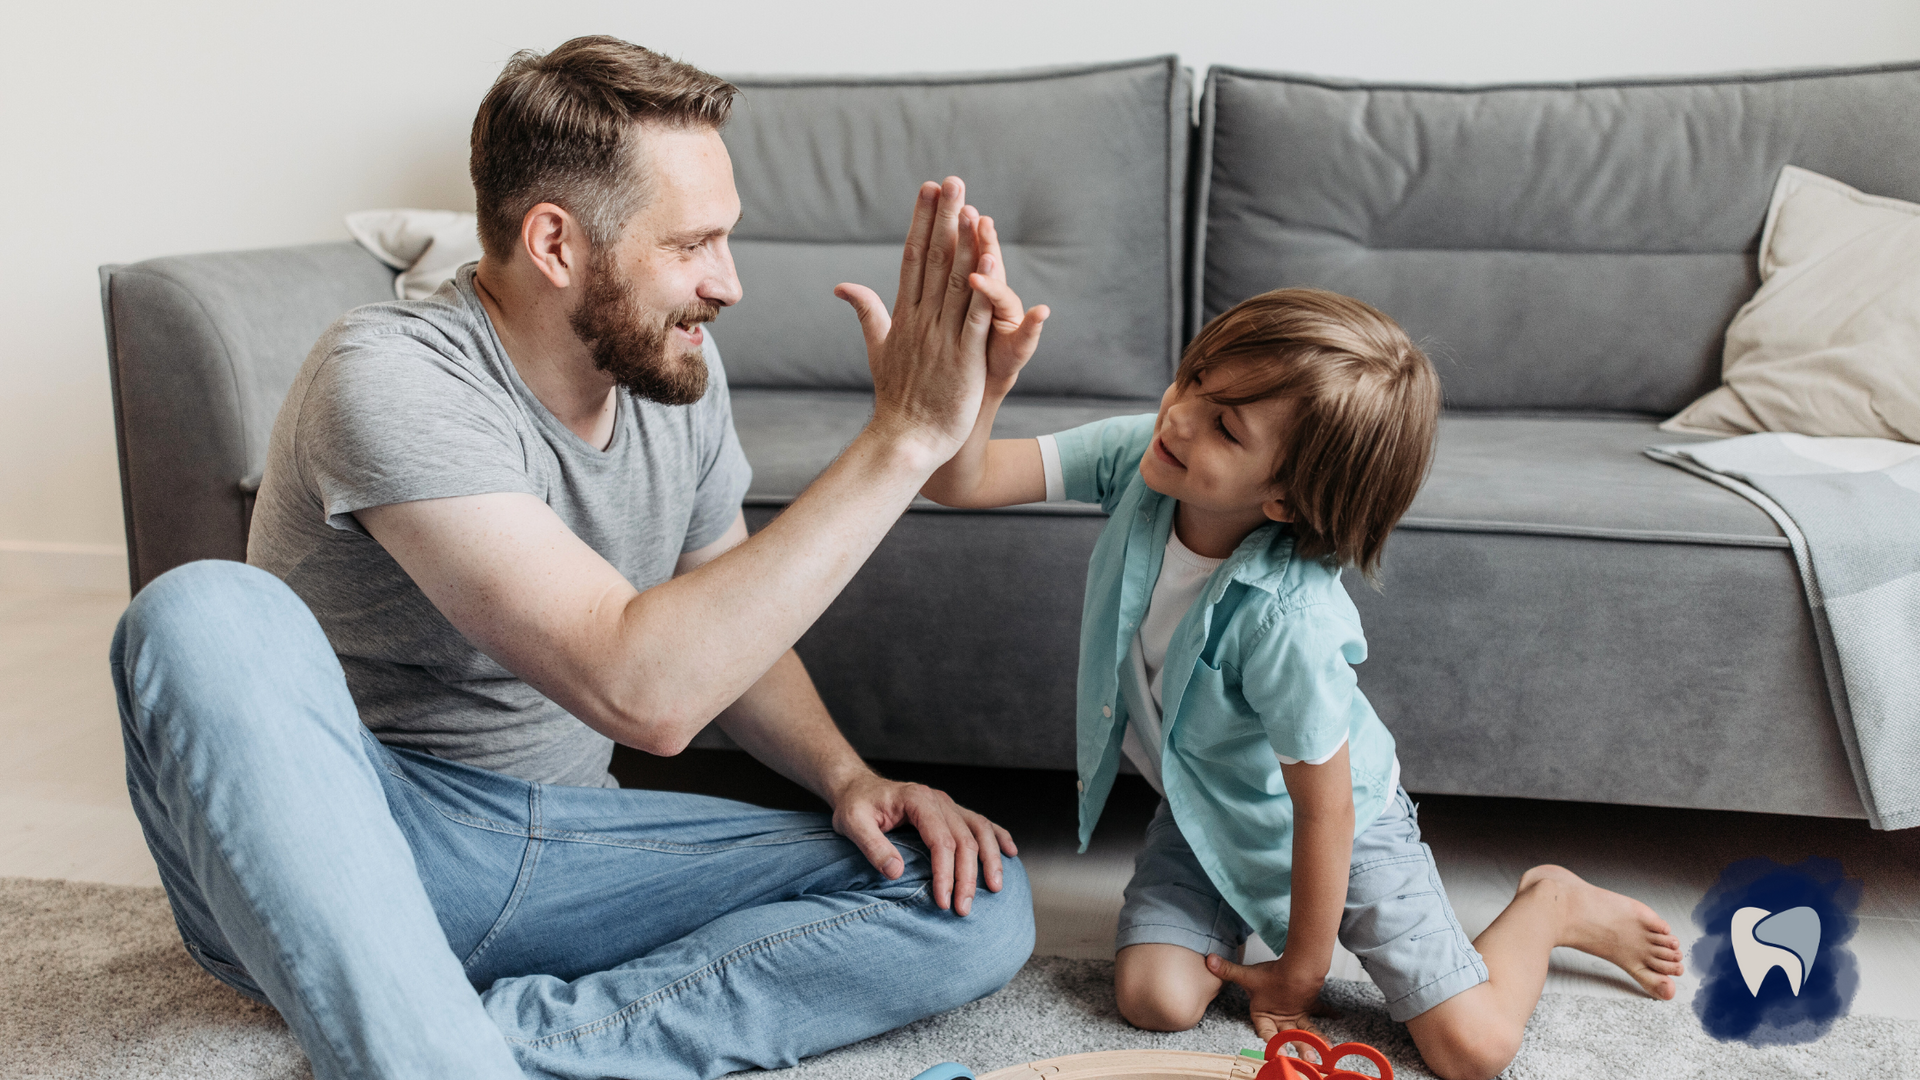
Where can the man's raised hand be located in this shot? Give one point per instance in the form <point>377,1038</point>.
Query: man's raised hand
<point>929,356</point>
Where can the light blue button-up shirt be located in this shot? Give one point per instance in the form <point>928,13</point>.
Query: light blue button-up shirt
<point>1260,666</point>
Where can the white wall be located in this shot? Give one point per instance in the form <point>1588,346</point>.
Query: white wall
<point>129,131</point>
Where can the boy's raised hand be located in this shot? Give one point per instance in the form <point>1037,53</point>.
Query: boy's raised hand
<point>1016,333</point>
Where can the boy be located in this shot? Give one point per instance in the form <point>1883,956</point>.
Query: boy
<point>1216,653</point>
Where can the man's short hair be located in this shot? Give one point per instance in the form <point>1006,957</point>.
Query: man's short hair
<point>1367,403</point>
<point>563,128</point>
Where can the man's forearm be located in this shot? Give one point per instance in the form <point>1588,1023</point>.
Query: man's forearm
<point>733,618</point>
<point>781,721</point>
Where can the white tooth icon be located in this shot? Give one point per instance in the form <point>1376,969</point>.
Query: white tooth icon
<point>1758,939</point>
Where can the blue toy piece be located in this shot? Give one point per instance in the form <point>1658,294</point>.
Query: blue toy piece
<point>947,1070</point>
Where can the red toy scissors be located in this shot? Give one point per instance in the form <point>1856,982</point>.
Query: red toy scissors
<point>1284,1066</point>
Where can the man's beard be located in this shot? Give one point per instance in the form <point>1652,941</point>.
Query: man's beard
<point>630,347</point>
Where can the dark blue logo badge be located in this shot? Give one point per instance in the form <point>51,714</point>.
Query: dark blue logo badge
<point>1773,964</point>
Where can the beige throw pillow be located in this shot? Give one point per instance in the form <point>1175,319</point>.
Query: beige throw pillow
<point>1830,344</point>
<point>427,246</point>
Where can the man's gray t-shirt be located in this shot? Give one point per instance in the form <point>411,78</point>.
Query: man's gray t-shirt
<point>417,400</point>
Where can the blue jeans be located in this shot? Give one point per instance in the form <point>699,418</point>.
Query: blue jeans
<point>413,917</point>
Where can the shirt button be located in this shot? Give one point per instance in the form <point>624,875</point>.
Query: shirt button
<point>1106,710</point>
<point>1080,786</point>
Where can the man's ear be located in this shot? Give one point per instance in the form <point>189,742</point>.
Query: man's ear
<point>1276,509</point>
<point>554,242</point>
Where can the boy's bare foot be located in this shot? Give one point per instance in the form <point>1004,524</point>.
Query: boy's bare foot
<point>1613,927</point>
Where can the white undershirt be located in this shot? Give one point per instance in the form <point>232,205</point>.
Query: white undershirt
<point>1183,576</point>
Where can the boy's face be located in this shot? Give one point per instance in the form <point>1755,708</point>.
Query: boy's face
<point>1219,458</point>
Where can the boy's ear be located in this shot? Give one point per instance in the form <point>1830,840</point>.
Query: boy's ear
<point>1276,509</point>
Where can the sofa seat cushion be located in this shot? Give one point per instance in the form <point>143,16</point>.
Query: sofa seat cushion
<point>1614,671</point>
<point>790,435</point>
<point>1576,476</point>
<point>1554,476</point>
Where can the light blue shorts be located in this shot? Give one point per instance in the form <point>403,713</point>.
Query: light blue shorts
<point>1398,921</point>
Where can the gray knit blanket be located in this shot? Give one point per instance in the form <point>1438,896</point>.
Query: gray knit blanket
<point>1851,509</point>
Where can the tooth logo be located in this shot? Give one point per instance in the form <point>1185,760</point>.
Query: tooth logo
<point>1761,915</point>
<point>1764,940</point>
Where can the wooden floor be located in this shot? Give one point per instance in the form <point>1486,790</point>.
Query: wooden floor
<point>64,814</point>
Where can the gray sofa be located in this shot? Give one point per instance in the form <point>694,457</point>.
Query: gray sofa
<point>1561,618</point>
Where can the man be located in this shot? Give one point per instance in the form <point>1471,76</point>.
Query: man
<point>507,519</point>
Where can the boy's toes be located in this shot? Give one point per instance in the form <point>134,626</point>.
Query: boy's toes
<point>1659,962</point>
<point>1655,969</point>
<point>1654,975</point>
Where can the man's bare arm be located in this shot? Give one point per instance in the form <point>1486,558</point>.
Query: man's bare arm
<point>650,669</point>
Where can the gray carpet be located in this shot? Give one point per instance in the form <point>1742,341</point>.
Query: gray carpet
<point>94,984</point>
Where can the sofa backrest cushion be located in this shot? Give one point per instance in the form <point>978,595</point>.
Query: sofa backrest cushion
<point>1082,169</point>
<point>202,349</point>
<point>1576,246</point>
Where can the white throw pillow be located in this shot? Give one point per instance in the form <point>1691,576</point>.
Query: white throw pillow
<point>426,246</point>
<point>1830,344</point>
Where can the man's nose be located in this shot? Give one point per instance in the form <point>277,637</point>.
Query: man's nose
<point>723,283</point>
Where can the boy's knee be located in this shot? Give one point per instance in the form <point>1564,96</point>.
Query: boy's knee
<point>1163,987</point>
<point>1156,1006</point>
<point>1464,1051</point>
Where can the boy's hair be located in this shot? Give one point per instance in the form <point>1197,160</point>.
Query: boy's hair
<point>1367,405</point>
<point>563,128</point>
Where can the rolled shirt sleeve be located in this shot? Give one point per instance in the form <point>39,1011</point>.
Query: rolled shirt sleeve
<point>1299,678</point>
<point>1098,460</point>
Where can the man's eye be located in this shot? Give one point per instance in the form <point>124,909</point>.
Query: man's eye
<point>1221,423</point>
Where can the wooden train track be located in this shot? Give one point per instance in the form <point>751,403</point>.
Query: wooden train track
<point>1134,1065</point>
